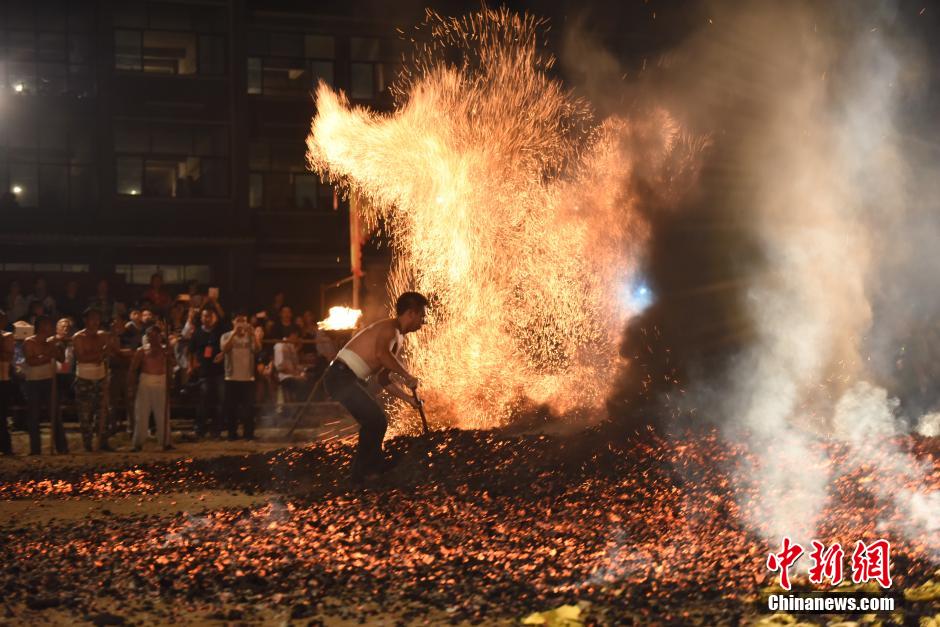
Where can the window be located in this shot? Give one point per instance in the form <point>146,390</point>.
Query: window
<point>211,55</point>
<point>280,181</point>
<point>362,80</point>
<point>160,178</point>
<point>139,274</point>
<point>171,160</point>
<point>254,76</point>
<point>44,267</point>
<point>166,52</point>
<point>83,187</point>
<point>23,183</point>
<point>127,50</point>
<point>318,47</point>
<point>255,190</point>
<point>289,64</point>
<point>305,190</point>
<point>371,72</point>
<point>36,155</point>
<point>129,175</point>
<point>53,186</point>
<point>171,39</point>
<point>321,71</point>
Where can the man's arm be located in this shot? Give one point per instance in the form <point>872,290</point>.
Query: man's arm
<point>228,341</point>
<point>135,365</point>
<point>58,348</point>
<point>397,391</point>
<point>389,361</point>
<point>7,347</point>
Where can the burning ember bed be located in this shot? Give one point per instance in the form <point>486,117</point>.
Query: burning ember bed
<point>473,526</point>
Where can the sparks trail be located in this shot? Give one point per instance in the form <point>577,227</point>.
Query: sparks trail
<point>652,527</point>
<point>507,203</point>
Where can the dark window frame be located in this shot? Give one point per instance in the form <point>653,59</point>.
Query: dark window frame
<point>148,154</point>
<point>302,62</point>
<point>197,44</point>
<point>31,64</point>
<point>38,158</point>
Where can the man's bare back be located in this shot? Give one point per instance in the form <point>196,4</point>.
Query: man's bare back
<point>374,340</point>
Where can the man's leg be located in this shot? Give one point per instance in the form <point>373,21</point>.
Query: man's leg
<point>215,426</point>
<point>202,412</point>
<point>6,445</point>
<point>247,402</point>
<point>56,426</point>
<point>142,408</point>
<point>159,406</point>
<point>100,397</point>
<point>85,406</point>
<point>373,422</point>
<point>38,395</point>
<point>229,409</point>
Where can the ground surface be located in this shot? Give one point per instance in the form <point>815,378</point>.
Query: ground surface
<point>471,527</point>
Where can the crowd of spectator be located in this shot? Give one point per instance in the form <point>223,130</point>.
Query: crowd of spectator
<point>112,365</point>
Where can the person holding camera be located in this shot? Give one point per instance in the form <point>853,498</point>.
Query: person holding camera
<point>240,346</point>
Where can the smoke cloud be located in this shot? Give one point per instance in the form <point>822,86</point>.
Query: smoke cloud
<point>814,242</point>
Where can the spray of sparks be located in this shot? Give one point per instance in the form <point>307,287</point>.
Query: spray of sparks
<point>510,206</point>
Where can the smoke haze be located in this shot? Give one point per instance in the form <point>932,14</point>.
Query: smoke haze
<point>812,245</point>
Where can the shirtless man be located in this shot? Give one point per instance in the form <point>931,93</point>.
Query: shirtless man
<point>7,347</point>
<point>372,356</point>
<point>154,361</point>
<point>92,346</point>
<point>41,351</point>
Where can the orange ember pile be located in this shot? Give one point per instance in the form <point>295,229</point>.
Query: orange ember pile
<point>472,525</point>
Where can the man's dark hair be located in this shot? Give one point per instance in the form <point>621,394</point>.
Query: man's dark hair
<point>408,301</point>
<point>41,320</point>
<point>91,310</point>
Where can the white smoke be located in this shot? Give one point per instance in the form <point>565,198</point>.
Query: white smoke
<point>830,181</point>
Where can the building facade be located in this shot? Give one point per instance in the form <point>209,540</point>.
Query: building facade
<point>143,136</point>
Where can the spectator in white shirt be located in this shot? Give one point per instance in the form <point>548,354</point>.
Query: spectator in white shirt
<point>290,373</point>
<point>240,346</point>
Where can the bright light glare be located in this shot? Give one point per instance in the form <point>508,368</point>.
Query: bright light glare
<point>636,296</point>
<point>18,88</point>
<point>17,189</point>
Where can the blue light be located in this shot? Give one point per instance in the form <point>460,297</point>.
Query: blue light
<point>636,296</point>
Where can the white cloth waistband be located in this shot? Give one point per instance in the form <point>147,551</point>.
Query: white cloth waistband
<point>152,380</point>
<point>40,373</point>
<point>90,371</point>
<point>356,363</point>
<point>4,371</point>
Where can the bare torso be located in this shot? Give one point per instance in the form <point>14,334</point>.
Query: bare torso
<point>90,348</point>
<point>364,343</point>
<point>153,360</point>
<point>38,350</point>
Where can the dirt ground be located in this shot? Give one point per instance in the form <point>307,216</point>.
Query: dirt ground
<point>471,528</point>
